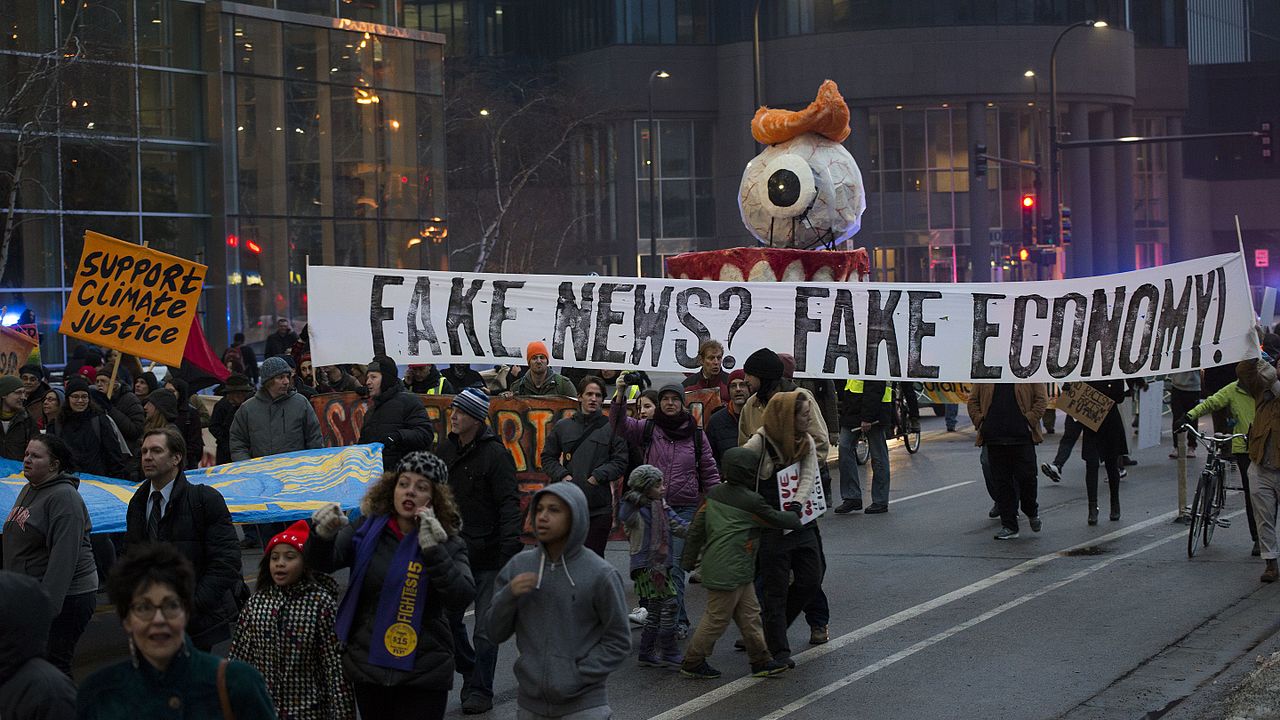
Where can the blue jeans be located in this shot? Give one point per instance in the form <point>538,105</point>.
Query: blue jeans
<point>686,513</point>
<point>850,483</point>
<point>951,413</point>
<point>476,664</point>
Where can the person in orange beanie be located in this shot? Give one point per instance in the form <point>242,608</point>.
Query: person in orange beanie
<point>541,380</point>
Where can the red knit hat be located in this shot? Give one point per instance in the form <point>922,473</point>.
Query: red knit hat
<point>295,535</point>
<point>88,372</point>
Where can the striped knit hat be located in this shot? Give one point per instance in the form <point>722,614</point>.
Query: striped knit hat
<point>474,402</point>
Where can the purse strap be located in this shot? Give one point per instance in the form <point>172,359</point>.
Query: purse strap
<point>224,697</point>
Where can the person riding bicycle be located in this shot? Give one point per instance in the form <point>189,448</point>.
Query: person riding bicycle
<point>1239,404</point>
<point>1258,378</point>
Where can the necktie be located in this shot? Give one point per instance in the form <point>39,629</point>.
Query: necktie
<point>153,522</point>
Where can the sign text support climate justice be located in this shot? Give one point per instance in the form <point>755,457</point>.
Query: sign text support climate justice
<point>1175,317</point>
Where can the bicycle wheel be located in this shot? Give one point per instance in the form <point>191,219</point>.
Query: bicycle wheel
<point>861,450</point>
<point>1195,532</point>
<point>911,439</point>
<point>1214,507</point>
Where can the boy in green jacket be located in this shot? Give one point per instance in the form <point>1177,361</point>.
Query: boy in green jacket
<point>725,534</point>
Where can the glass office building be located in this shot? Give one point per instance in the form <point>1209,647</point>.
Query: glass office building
<point>252,138</point>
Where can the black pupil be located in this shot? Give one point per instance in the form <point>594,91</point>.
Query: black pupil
<point>784,188</point>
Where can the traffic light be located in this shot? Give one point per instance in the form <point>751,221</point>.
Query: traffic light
<point>979,161</point>
<point>1265,141</point>
<point>1028,219</point>
<point>1024,254</point>
<point>1064,219</point>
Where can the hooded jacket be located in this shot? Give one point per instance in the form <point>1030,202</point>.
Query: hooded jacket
<point>14,439</point>
<point>482,476</point>
<point>397,419</point>
<point>288,635</point>
<point>779,447</point>
<point>584,446</point>
<point>197,524</point>
<point>94,440</point>
<point>725,532</point>
<point>752,418</point>
<point>572,631</point>
<point>127,413</point>
<point>30,687</point>
<point>263,426</point>
<point>687,471</point>
<point>1239,403</point>
<point>47,537</point>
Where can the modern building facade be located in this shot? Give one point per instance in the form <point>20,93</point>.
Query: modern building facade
<point>250,137</point>
<point>927,81</point>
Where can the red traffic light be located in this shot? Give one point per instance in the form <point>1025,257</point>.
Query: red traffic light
<point>1028,201</point>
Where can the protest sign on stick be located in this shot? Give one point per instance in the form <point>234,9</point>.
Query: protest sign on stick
<point>133,299</point>
<point>788,486</point>
<point>1085,404</point>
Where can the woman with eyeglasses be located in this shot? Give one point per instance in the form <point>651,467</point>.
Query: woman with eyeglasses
<point>165,676</point>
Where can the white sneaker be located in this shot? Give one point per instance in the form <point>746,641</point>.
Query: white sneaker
<point>638,615</point>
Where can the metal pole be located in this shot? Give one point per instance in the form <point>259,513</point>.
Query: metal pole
<point>653,170</point>
<point>1055,162</point>
<point>757,82</point>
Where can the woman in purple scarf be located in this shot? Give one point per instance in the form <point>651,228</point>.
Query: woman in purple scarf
<point>409,568</point>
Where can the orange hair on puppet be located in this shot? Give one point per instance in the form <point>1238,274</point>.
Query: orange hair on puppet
<point>827,115</point>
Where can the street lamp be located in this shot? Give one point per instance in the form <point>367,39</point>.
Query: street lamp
<point>653,181</point>
<point>1055,191</point>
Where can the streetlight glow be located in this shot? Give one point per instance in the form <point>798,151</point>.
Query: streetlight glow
<point>663,74</point>
<point>1100,24</point>
<point>1029,73</point>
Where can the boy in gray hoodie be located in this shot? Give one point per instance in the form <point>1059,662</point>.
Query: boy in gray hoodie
<point>566,607</point>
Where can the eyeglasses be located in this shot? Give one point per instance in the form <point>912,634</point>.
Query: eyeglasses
<point>170,608</point>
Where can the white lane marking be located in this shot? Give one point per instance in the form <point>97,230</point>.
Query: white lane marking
<point>714,696</point>
<point>820,693</point>
<point>930,492</point>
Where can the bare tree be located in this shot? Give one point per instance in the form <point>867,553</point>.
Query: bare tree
<point>508,132</point>
<point>33,107</point>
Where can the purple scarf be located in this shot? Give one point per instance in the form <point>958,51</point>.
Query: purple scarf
<point>394,637</point>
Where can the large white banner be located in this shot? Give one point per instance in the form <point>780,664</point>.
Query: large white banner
<point>1176,317</point>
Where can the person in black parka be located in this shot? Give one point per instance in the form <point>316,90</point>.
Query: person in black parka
<point>1105,447</point>
<point>188,422</point>
<point>395,417</point>
<point>90,432</point>
<point>30,686</point>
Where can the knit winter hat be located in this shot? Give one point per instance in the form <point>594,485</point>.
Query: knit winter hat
<point>764,364</point>
<point>644,477</point>
<point>76,384</point>
<point>165,402</point>
<point>737,375</point>
<point>426,465</point>
<point>788,364</point>
<point>537,347</point>
<point>272,367</point>
<point>9,383</point>
<point>472,401</point>
<point>672,388</point>
<point>88,373</point>
<point>386,366</point>
<point>295,535</point>
<point>32,369</point>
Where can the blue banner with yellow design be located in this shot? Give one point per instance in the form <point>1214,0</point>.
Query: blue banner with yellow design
<point>271,489</point>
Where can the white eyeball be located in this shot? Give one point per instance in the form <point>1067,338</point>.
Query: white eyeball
<point>802,192</point>
<point>788,188</point>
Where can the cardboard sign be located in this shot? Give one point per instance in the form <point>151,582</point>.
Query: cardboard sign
<point>1085,404</point>
<point>789,483</point>
<point>16,348</point>
<point>1150,418</point>
<point>133,299</point>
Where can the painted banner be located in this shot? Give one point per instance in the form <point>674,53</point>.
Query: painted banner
<point>16,348</point>
<point>279,488</point>
<point>133,299</point>
<point>1175,317</point>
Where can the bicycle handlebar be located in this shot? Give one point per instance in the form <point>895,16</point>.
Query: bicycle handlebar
<point>1217,439</point>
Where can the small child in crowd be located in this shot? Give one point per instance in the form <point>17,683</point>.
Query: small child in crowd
<point>286,631</point>
<point>725,534</point>
<point>566,607</point>
<point>650,523</point>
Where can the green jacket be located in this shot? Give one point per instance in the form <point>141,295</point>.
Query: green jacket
<point>555,384</point>
<point>726,529</point>
<point>1236,401</point>
<point>187,689</point>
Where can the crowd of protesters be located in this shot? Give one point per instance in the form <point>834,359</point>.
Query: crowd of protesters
<point>442,529</point>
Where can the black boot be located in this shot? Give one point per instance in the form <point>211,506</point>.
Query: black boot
<point>1115,499</point>
<point>1093,514</point>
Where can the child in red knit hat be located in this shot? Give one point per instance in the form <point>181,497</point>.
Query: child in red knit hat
<point>286,631</point>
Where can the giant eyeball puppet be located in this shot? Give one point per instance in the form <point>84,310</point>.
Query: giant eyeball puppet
<point>805,189</point>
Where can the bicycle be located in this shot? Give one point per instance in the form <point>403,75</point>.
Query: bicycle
<point>1211,490</point>
<point>901,428</point>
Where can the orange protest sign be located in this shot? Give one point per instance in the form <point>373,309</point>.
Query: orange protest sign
<point>15,349</point>
<point>133,299</point>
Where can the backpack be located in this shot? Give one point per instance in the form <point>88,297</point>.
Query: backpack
<point>647,440</point>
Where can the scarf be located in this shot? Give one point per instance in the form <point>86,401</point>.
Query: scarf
<point>780,426</point>
<point>659,542</point>
<point>398,618</point>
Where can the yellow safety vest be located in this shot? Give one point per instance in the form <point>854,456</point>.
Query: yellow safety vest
<point>633,392</point>
<point>438,389</point>
<point>855,387</point>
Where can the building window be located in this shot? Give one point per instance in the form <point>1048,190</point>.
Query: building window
<point>686,207</point>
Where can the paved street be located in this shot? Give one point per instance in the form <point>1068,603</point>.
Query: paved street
<point>932,618</point>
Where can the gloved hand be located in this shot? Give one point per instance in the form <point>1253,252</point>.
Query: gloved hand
<point>430,531</point>
<point>679,529</point>
<point>634,497</point>
<point>795,507</point>
<point>1184,421</point>
<point>328,520</point>
<point>391,440</point>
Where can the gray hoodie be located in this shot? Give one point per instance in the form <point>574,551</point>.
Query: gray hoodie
<point>46,536</point>
<point>571,630</point>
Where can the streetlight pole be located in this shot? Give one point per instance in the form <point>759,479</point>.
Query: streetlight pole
<point>653,180</point>
<point>1055,162</point>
